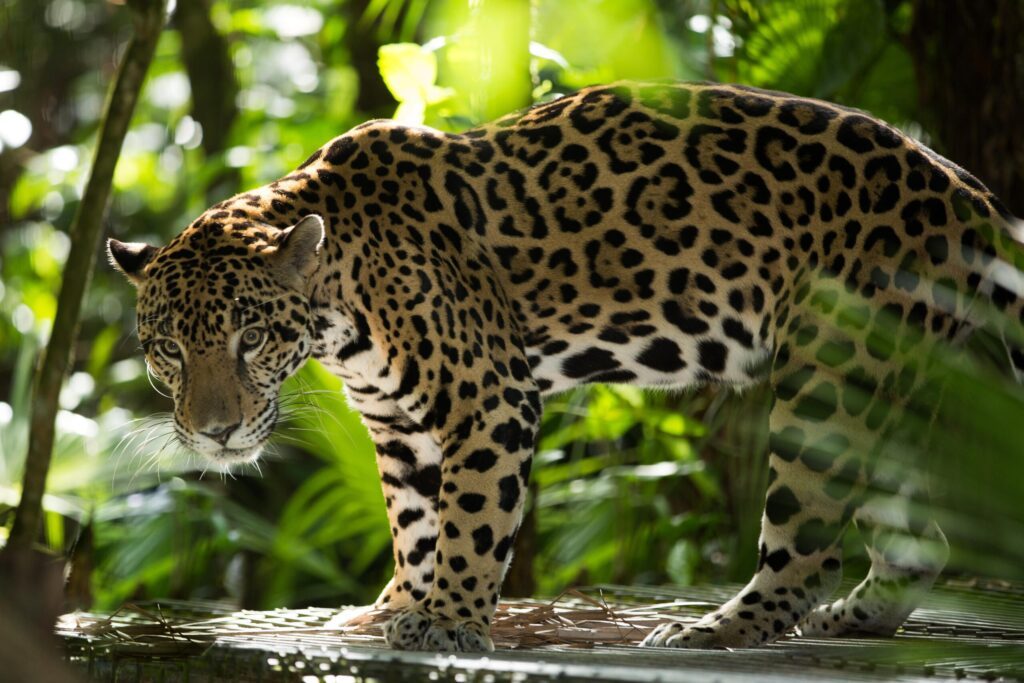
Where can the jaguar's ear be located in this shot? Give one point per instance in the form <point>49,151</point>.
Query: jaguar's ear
<point>130,258</point>
<point>298,251</point>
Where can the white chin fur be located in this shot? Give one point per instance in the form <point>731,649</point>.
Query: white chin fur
<point>227,458</point>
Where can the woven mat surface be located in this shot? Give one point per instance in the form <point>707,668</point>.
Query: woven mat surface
<point>963,631</point>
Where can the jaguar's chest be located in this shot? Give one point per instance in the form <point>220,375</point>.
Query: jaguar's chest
<point>340,347</point>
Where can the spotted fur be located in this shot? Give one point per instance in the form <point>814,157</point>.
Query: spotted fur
<point>658,235</point>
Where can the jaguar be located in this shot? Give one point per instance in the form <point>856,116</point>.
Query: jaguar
<point>665,235</point>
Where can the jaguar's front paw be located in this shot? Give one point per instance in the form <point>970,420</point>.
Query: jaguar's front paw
<point>701,637</point>
<point>419,629</point>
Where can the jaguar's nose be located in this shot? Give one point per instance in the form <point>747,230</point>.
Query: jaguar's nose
<point>220,433</point>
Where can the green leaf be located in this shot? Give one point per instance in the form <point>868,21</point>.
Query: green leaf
<point>410,73</point>
<point>408,70</point>
<point>682,562</point>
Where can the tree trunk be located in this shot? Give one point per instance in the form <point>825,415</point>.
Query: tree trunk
<point>373,97</point>
<point>969,57</point>
<point>211,74</point>
<point>85,234</point>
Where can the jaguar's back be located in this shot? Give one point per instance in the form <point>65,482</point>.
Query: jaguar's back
<point>649,233</point>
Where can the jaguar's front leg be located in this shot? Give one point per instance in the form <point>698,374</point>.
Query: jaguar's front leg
<point>409,463</point>
<point>488,441</point>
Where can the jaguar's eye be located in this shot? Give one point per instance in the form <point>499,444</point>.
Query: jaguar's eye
<point>252,338</point>
<point>169,348</point>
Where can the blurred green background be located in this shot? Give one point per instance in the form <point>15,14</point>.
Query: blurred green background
<point>629,487</point>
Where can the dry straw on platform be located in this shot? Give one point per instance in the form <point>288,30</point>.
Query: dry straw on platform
<point>574,619</point>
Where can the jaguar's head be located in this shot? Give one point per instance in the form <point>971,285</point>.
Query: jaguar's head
<point>224,318</point>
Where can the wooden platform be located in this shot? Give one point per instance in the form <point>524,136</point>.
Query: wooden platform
<point>962,632</point>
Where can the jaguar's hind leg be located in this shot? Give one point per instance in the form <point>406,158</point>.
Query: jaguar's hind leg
<point>906,547</point>
<point>906,557</point>
<point>816,464</point>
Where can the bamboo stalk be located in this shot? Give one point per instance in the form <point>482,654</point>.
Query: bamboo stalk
<point>85,234</point>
